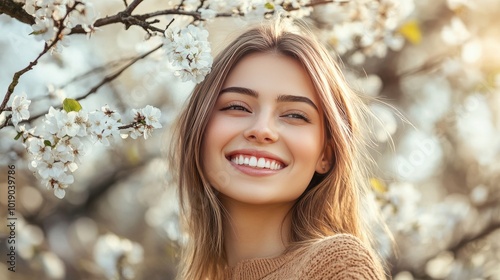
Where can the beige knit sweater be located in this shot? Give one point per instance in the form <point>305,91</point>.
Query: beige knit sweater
<point>341,256</point>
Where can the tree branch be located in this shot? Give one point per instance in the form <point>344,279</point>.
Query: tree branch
<point>15,10</point>
<point>109,65</point>
<point>98,188</point>
<point>482,234</point>
<point>6,123</point>
<point>18,74</point>
<point>132,6</point>
<point>139,20</point>
<point>110,78</point>
<point>105,81</point>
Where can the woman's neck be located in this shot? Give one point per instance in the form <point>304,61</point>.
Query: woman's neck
<point>255,231</point>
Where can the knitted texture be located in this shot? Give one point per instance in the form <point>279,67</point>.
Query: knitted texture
<point>341,256</point>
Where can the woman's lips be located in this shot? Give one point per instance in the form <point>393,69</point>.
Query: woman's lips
<point>256,163</point>
<point>254,171</point>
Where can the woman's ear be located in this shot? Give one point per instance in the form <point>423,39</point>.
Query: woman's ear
<point>324,163</point>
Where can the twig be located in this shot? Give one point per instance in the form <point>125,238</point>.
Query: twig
<point>202,2</point>
<point>6,123</point>
<point>106,80</point>
<point>181,5</point>
<point>125,2</point>
<point>18,74</point>
<point>109,64</point>
<point>15,10</point>
<point>141,20</point>
<point>132,6</point>
<point>484,233</point>
<point>195,15</point>
<point>110,78</point>
<point>315,3</point>
<point>98,188</point>
<point>128,125</point>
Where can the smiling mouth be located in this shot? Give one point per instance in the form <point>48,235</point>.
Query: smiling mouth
<point>252,161</point>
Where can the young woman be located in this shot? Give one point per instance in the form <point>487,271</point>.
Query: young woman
<point>271,165</point>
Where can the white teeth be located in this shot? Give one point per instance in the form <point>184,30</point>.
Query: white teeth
<point>256,162</point>
<point>261,163</point>
<point>253,162</point>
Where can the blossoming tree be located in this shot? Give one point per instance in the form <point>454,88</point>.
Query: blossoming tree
<point>67,124</point>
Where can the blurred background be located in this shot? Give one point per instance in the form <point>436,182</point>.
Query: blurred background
<point>434,64</point>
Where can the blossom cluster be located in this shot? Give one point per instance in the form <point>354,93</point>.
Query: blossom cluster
<point>251,9</point>
<point>189,52</point>
<point>365,28</point>
<point>116,256</point>
<point>296,9</point>
<point>400,201</point>
<point>55,18</point>
<point>20,108</point>
<point>57,148</point>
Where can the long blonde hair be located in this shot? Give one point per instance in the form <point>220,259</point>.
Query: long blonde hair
<point>331,203</point>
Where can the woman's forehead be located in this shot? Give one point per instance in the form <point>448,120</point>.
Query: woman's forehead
<point>271,71</point>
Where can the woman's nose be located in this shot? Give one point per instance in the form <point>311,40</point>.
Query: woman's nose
<point>262,130</point>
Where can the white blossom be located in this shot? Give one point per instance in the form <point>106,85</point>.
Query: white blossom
<point>207,14</point>
<point>51,122</point>
<point>110,249</point>
<point>63,151</point>
<point>96,122</point>
<point>145,121</point>
<point>81,119</point>
<point>26,133</point>
<point>152,116</point>
<point>58,149</point>
<point>189,52</point>
<point>29,238</point>
<point>479,194</point>
<point>67,125</point>
<point>370,27</point>
<point>54,19</point>
<point>38,149</point>
<point>59,184</point>
<point>456,33</point>
<point>137,132</point>
<point>20,105</point>
<point>50,168</point>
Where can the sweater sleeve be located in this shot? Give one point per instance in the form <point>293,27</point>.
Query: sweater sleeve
<point>342,256</point>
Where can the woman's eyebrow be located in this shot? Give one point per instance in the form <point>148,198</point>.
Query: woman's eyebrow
<point>295,98</point>
<point>281,98</point>
<point>241,90</point>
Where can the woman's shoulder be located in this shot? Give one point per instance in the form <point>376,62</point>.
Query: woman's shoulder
<point>338,244</point>
<point>341,256</point>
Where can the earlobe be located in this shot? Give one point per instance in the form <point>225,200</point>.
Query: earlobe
<point>323,165</point>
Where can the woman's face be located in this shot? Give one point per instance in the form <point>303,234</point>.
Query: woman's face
<point>265,136</point>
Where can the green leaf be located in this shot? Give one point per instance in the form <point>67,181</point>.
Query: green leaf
<point>47,143</point>
<point>18,135</point>
<point>269,6</point>
<point>38,32</point>
<point>70,105</point>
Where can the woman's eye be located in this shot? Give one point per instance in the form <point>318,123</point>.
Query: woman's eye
<point>236,108</point>
<point>297,116</point>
